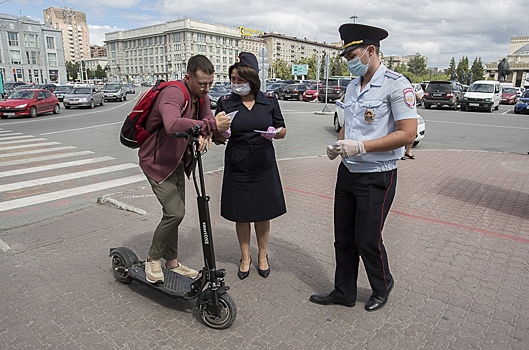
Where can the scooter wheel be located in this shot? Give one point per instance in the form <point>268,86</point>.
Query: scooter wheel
<point>122,259</point>
<point>228,313</point>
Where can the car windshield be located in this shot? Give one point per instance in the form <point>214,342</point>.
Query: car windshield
<point>218,88</point>
<point>82,91</point>
<point>112,86</point>
<point>481,88</point>
<point>438,87</point>
<point>509,90</point>
<point>22,95</point>
<point>313,87</point>
<point>526,94</point>
<point>63,88</point>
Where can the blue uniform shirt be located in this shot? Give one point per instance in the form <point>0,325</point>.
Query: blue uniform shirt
<point>371,114</point>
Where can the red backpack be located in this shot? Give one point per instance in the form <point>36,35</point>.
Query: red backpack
<point>133,133</point>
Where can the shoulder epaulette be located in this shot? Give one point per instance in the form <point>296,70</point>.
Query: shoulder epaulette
<point>225,97</point>
<point>269,94</point>
<point>392,74</point>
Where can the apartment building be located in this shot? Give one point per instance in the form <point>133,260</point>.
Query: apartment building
<point>75,34</point>
<point>30,51</point>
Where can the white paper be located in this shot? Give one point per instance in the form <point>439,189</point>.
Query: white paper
<point>232,115</point>
<point>270,132</point>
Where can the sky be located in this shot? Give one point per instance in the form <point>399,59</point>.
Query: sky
<point>438,30</point>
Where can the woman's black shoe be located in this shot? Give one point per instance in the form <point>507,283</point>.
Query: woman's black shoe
<point>264,273</point>
<point>243,274</point>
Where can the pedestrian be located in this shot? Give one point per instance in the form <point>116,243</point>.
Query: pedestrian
<point>163,159</point>
<point>380,119</point>
<point>251,186</point>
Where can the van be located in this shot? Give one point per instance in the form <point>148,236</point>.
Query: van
<point>482,94</point>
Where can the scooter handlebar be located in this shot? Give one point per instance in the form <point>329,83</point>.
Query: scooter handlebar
<point>193,131</point>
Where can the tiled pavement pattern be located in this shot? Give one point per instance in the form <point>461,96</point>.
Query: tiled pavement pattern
<point>457,238</point>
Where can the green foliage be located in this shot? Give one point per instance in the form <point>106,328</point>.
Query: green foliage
<point>417,65</point>
<point>477,70</point>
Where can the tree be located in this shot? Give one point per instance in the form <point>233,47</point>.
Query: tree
<point>417,65</point>
<point>462,70</point>
<point>451,70</point>
<point>477,71</point>
<point>282,70</point>
<point>72,70</point>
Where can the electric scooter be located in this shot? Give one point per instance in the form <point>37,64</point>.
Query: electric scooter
<point>217,309</point>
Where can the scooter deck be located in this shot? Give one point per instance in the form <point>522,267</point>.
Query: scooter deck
<point>174,285</point>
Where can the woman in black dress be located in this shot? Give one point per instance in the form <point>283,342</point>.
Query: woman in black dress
<point>251,186</point>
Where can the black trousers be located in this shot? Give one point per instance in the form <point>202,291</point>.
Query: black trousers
<point>361,204</point>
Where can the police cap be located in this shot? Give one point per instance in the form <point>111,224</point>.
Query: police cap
<point>353,35</point>
<point>249,60</point>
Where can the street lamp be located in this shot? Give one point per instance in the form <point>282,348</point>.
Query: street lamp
<point>354,17</point>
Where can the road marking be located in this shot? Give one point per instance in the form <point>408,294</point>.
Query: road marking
<point>88,127</point>
<point>29,146</point>
<point>48,197</point>
<point>9,133</point>
<point>2,131</point>
<point>21,141</point>
<point>53,166</point>
<point>40,159</point>
<point>492,126</point>
<point>65,177</point>
<point>2,138</point>
<point>9,155</point>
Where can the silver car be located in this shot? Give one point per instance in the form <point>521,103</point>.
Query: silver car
<point>84,96</point>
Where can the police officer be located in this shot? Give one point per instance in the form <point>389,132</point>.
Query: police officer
<point>380,119</point>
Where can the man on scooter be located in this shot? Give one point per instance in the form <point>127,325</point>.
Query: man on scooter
<point>164,159</point>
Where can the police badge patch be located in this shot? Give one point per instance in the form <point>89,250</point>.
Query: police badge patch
<point>409,97</point>
<point>369,115</point>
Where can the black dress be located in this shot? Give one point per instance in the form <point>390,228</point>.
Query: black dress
<point>251,186</point>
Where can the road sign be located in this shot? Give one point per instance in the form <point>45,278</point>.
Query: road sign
<point>300,69</point>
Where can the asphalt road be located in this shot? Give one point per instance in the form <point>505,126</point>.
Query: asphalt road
<point>97,131</point>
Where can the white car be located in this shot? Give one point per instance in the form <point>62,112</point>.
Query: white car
<point>339,121</point>
<point>419,93</point>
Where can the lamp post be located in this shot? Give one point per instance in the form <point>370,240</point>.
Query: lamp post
<point>354,17</point>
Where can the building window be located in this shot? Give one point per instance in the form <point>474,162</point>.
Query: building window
<point>31,40</point>
<point>12,38</point>
<point>15,57</point>
<point>52,59</point>
<point>50,42</point>
<point>32,57</point>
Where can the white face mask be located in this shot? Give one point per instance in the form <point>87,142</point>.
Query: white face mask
<point>356,67</point>
<point>241,89</point>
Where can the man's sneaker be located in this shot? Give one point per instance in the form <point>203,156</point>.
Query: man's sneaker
<point>153,271</point>
<point>185,271</point>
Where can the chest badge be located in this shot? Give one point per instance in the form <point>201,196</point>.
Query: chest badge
<point>369,116</point>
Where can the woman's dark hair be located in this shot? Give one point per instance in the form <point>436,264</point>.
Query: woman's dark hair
<point>248,74</point>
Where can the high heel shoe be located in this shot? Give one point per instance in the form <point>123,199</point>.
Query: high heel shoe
<point>264,273</point>
<point>243,274</point>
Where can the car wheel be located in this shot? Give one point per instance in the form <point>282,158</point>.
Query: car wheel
<point>102,102</point>
<point>56,109</point>
<point>33,112</point>
<point>5,116</point>
<point>92,104</point>
<point>463,108</point>
<point>121,99</point>
<point>276,95</point>
<point>515,112</point>
<point>300,97</point>
<point>125,97</point>
<point>337,126</point>
<point>490,109</point>
<point>415,143</point>
<point>427,106</point>
<point>497,107</point>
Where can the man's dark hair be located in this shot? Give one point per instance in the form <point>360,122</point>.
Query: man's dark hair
<point>249,74</point>
<point>199,62</point>
<point>377,48</point>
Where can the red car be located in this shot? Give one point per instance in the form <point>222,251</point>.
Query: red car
<point>312,93</point>
<point>30,102</point>
<point>508,95</point>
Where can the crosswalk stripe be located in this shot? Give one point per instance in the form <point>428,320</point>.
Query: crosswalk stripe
<point>53,166</point>
<point>48,197</point>
<point>40,159</point>
<point>29,146</point>
<point>15,137</point>
<point>65,177</point>
<point>20,141</point>
<point>45,150</point>
<point>2,131</point>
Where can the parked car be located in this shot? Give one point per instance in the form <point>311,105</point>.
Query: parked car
<point>482,94</point>
<point>30,102</point>
<point>294,91</point>
<point>276,89</point>
<point>508,96</point>
<point>215,93</point>
<point>338,121</point>
<point>62,90</point>
<point>519,91</point>
<point>115,91</point>
<point>49,87</point>
<point>333,89</point>
<point>10,87</point>
<point>84,96</point>
<point>443,93</point>
<point>522,105</point>
<point>130,88</point>
<point>312,93</point>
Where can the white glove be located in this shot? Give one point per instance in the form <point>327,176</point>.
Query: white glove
<point>333,152</point>
<point>350,148</point>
